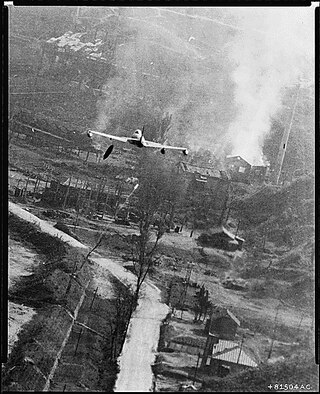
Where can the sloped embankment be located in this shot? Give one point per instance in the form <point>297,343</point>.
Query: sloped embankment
<point>274,200</point>
<point>279,227</point>
<point>22,260</point>
<point>72,343</point>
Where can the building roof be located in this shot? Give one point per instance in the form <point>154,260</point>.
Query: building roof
<point>237,238</point>
<point>233,317</point>
<point>234,355</point>
<point>223,345</point>
<point>230,157</point>
<point>202,171</point>
<point>223,312</point>
<point>75,182</point>
<point>221,229</point>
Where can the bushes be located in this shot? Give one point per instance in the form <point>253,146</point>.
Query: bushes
<point>26,353</point>
<point>267,327</point>
<point>49,282</point>
<point>52,247</point>
<point>258,288</point>
<point>261,288</point>
<point>52,283</point>
<point>63,227</point>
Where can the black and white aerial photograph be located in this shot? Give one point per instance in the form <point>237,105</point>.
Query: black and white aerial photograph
<point>161,199</point>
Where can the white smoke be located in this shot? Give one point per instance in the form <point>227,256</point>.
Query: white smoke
<point>267,49</point>
<point>274,48</point>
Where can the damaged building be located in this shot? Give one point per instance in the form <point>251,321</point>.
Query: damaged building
<point>209,185</point>
<point>92,197</point>
<point>241,170</point>
<point>221,238</point>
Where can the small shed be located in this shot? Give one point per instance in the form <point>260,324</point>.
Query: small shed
<point>221,238</point>
<point>184,167</point>
<point>228,357</point>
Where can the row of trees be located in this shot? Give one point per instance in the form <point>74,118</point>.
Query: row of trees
<point>178,297</point>
<point>160,192</point>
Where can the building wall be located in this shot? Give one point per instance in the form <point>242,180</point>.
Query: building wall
<point>239,169</point>
<point>216,367</point>
<point>258,173</point>
<point>211,341</point>
<point>237,163</point>
<point>179,347</point>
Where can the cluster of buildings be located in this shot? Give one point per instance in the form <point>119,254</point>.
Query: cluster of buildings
<point>221,354</point>
<point>94,197</point>
<point>209,182</point>
<point>237,169</point>
<point>241,171</point>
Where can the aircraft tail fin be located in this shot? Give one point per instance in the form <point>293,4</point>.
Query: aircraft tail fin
<point>142,132</point>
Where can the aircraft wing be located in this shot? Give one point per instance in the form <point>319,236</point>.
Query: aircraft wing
<point>151,144</point>
<point>110,136</point>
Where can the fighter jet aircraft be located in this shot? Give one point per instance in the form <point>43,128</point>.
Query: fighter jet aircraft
<point>136,139</point>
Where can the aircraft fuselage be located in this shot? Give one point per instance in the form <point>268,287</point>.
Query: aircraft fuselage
<point>139,143</point>
<point>137,139</point>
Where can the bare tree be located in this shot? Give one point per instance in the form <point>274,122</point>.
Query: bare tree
<point>202,304</point>
<point>97,244</point>
<point>124,306</point>
<point>160,189</point>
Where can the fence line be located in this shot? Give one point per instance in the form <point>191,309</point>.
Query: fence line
<point>58,356</point>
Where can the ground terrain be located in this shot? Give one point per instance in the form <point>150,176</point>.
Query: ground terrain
<point>277,305</point>
<point>135,366</point>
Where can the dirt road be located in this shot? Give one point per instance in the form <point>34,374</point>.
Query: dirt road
<point>143,336</point>
<point>139,349</point>
<point>138,353</point>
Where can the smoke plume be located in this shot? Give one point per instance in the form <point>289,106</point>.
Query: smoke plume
<point>273,50</point>
<point>222,82</point>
